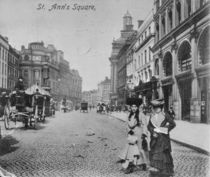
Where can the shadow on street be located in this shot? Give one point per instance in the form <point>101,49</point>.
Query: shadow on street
<point>7,145</point>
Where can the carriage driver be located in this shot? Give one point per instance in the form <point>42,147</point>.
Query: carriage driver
<point>19,84</point>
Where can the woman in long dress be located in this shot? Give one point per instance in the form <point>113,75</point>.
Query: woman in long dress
<point>160,124</point>
<point>138,125</point>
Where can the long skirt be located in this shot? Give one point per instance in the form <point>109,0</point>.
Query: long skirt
<point>163,161</point>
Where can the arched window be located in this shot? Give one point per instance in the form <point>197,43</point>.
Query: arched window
<point>184,56</point>
<point>157,67</point>
<point>204,47</point>
<point>167,64</point>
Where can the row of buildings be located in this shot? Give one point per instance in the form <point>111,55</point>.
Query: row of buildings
<point>168,57</point>
<point>40,65</point>
<point>101,95</point>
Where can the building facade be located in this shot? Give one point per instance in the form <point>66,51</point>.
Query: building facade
<point>182,57</point>
<point>75,87</point>
<point>103,93</point>
<point>40,66</point>
<point>118,61</point>
<point>4,50</point>
<point>13,68</point>
<point>140,64</point>
<point>90,97</point>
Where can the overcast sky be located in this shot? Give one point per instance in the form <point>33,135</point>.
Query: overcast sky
<point>84,36</point>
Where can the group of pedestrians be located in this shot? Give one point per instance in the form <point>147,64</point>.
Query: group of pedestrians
<point>148,142</point>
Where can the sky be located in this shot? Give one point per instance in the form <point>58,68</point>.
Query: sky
<point>85,36</point>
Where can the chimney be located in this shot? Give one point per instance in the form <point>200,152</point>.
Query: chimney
<point>140,23</point>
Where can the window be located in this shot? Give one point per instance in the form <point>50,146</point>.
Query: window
<point>149,30</point>
<point>188,3</point>
<point>178,10</point>
<point>145,56</point>
<point>167,64</point>
<point>157,67</point>
<point>204,47</point>
<point>149,55</point>
<point>184,56</point>
<point>163,26</point>
<point>170,18</point>
<point>157,31</point>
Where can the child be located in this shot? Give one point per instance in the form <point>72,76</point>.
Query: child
<point>131,153</point>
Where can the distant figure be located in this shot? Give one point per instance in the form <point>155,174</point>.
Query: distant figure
<point>171,112</point>
<point>20,85</point>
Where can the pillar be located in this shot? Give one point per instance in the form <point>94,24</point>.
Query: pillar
<point>195,101</point>
<point>176,98</point>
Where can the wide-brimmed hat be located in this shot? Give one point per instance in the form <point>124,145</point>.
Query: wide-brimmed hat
<point>134,101</point>
<point>158,102</point>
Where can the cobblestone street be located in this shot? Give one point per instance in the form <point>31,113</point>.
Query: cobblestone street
<point>61,147</point>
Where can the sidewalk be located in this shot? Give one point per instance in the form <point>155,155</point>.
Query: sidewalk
<point>193,135</point>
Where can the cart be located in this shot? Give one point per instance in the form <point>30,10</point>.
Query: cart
<point>18,108</point>
<point>84,107</point>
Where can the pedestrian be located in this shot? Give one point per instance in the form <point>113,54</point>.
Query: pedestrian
<point>138,125</point>
<point>171,112</point>
<point>132,153</point>
<point>160,124</point>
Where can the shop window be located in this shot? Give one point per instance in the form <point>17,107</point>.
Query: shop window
<point>204,47</point>
<point>167,64</point>
<point>184,56</point>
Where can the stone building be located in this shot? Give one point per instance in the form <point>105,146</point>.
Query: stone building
<point>103,93</point>
<point>75,87</point>
<point>13,67</point>
<point>40,65</point>
<point>4,50</point>
<point>90,97</point>
<point>118,61</point>
<point>181,55</point>
<point>140,64</point>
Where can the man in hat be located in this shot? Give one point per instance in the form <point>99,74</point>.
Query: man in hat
<point>160,124</point>
<point>19,84</point>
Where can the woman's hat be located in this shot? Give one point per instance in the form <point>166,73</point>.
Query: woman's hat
<point>158,102</point>
<point>134,101</point>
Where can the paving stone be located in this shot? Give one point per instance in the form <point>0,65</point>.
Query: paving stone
<point>62,149</point>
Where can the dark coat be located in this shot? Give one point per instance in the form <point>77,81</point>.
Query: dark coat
<point>162,141</point>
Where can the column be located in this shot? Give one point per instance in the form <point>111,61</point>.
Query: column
<point>160,28</point>
<point>195,101</point>
<point>175,88</point>
<point>161,76</point>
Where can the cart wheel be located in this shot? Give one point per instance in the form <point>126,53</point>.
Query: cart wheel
<point>6,118</point>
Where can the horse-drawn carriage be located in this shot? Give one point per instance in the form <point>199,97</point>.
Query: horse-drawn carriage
<point>84,107</point>
<point>26,106</point>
